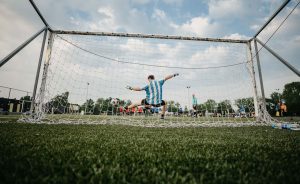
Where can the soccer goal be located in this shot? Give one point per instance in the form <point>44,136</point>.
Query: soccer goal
<point>85,75</point>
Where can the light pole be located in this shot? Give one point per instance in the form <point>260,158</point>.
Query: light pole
<point>87,92</point>
<point>188,88</point>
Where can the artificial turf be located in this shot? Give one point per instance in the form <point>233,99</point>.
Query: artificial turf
<point>42,153</point>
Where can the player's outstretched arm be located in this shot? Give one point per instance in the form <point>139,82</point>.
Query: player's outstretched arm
<point>134,88</point>
<point>171,76</point>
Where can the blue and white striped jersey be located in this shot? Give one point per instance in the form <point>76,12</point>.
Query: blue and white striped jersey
<point>194,100</point>
<point>154,92</point>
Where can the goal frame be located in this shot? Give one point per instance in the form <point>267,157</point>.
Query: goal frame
<point>249,42</point>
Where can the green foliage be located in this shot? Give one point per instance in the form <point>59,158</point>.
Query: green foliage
<point>88,106</point>
<point>210,105</point>
<point>224,107</point>
<point>36,153</point>
<point>25,98</point>
<point>172,106</point>
<point>26,101</point>
<point>186,110</point>
<point>291,94</point>
<point>246,103</point>
<point>275,97</point>
<point>213,107</point>
<point>101,106</point>
<point>59,103</point>
<point>270,105</point>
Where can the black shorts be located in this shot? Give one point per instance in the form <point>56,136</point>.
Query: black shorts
<point>144,102</point>
<point>195,107</point>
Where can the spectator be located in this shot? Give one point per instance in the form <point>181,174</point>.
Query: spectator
<point>283,108</point>
<point>277,109</point>
<point>194,103</point>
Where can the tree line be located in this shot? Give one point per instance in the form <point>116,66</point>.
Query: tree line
<point>60,104</point>
<point>291,95</point>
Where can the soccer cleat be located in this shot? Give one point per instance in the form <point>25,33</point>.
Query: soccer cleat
<point>162,116</point>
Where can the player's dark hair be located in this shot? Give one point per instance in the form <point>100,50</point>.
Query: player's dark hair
<point>151,77</point>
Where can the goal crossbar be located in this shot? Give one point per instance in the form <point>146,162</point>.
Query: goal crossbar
<point>133,35</point>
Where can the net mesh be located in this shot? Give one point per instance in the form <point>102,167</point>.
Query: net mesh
<point>85,78</point>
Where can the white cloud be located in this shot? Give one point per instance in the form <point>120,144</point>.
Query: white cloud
<point>255,27</point>
<point>200,26</point>
<point>106,11</point>
<point>244,10</point>
<point>289,28</point>
<point>219,9</point>
<point>74,21</point>
<point>284,43</point>
<point>210,56</point>
<point>284,40</point>
<point>159,14</point>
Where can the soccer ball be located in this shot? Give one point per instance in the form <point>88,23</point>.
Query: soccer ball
<point>114,102</point>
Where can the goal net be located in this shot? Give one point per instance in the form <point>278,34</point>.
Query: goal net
<point>85,76</point>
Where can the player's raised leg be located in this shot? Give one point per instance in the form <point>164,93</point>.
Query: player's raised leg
<point>164,107</point>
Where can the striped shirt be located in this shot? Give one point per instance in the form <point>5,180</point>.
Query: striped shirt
<point>154,92</point>
<point>194,100</point>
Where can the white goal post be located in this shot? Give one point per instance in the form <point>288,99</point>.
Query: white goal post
<point>70,50</point>
<point>88,69</point>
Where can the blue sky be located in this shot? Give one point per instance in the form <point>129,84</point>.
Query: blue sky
<point>234,19</point>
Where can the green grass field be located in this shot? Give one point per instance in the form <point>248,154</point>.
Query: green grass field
<point>42,153</point>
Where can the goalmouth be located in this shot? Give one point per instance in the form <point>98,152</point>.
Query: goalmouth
<point>84,72</point>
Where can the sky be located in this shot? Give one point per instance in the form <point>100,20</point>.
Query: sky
<point>235,19</point>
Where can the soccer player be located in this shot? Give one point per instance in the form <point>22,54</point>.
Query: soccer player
<point>194,103</point>
<point>154,92</point>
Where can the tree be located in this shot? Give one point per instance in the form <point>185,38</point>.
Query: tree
<point>186,110</point>
<point>291,94</point>
<point>59,103</point>
<point>210,105</point>
<point>102,105</point>
<point>246,104</point>
<point>225,107</point>
<point>121,102</point>
<point>270,105</point>
<point>272,102</point>
<point>201,107</point>
<point>25,98</point>
<point>26,102</point>
<point>88,106</point>
<point>275,97</point>
<point>172,106</point>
